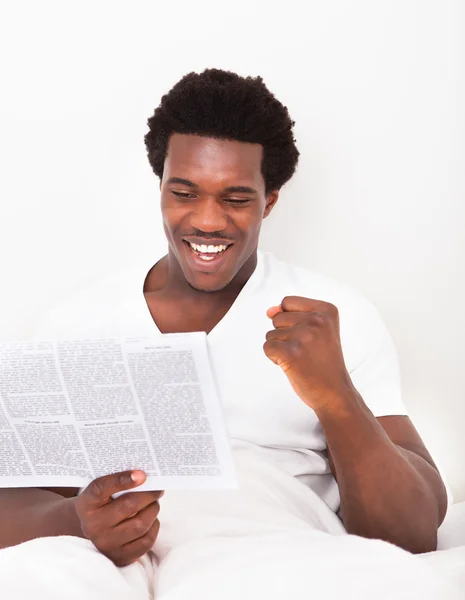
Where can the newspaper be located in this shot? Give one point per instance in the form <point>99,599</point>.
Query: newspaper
<point>73,410</point>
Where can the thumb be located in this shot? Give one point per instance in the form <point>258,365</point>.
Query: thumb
<point>101,490</point>
<point>273,311</point>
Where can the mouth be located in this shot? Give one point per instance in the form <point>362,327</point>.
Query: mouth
<point>207,257</point>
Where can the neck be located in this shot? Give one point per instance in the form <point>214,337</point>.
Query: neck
<point>168,278</point>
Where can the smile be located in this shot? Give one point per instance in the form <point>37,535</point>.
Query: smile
<point>203,254</point>
<point>207,252</point>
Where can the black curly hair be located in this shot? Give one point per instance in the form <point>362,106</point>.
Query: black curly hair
<point>222,104</point>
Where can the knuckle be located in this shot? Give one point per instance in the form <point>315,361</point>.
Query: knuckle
<point>139,526</point>
<point>332,309</point>
<point>307,336</point>
<point>128,505</point>
<point>95,488</point>
<point>295,346</point>
<point>123,480</point>
<point>319,318</point>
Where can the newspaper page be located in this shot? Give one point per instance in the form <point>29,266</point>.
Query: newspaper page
<point>73,410</point>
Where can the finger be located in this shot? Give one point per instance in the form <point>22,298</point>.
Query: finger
<point>300,304</point>
<point>273,310</point>
<point>133,550</point>
<point>126,506</point>
<point>135,527</point>
<point>283,334</point>
<point>275,350</point>
<point>100,490</point>
<point>290,319</point>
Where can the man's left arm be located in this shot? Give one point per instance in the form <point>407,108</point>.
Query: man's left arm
<point>389,486</point>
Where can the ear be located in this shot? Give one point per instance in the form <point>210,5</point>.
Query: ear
<point>271,200</point>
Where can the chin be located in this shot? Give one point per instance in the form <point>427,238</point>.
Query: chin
<point>207,289</point>
<point>208,283</point>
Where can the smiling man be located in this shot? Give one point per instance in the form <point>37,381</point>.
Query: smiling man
<point>309,383</point>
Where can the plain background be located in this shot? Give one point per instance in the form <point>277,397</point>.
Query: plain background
<point>377,93</point>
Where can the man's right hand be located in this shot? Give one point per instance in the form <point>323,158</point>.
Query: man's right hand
<point>125,528</point>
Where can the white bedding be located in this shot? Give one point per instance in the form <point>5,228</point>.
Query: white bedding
<point>273,539</point>
<point>275,536</point>
<point>452,532</point>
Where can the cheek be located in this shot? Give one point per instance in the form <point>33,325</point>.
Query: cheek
<point>249,220</point>
<point>173,216</point>
<point>251,225</point>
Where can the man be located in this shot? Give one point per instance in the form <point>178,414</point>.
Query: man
<point>308,379</point>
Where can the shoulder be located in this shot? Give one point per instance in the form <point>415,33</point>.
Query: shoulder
<point>310,283</point>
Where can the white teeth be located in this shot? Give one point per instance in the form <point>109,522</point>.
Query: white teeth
<point>203,249</point>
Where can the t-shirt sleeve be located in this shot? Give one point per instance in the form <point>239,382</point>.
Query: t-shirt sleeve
<point>375,372</point>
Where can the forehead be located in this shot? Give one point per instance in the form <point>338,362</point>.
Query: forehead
<point>212,160</point>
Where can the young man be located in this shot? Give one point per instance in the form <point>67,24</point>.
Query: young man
<point>307,375</point>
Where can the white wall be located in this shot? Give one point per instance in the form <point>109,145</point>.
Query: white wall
<point>377,90</point>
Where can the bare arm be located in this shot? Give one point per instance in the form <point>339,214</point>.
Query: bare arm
<point>389,485</point>
<point>29,513</point>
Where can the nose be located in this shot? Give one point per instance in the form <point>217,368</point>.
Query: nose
<point>209,216</point>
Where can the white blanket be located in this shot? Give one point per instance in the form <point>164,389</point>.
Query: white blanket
<point>273,539</point>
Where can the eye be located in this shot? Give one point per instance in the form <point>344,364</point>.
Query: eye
<point>237,200</point>
<point>185,195</point>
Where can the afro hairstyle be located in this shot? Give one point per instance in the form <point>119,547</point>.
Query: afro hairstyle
<point>223,105</point>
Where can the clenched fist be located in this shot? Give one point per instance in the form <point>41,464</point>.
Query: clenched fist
<point>306,344</point>
<point>125,528</point>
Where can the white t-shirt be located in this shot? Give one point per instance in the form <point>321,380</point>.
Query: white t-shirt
<point>263,414</point>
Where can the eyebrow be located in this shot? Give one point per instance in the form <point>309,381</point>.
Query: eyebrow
<point>238,189</point>
<point>182,181</point>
